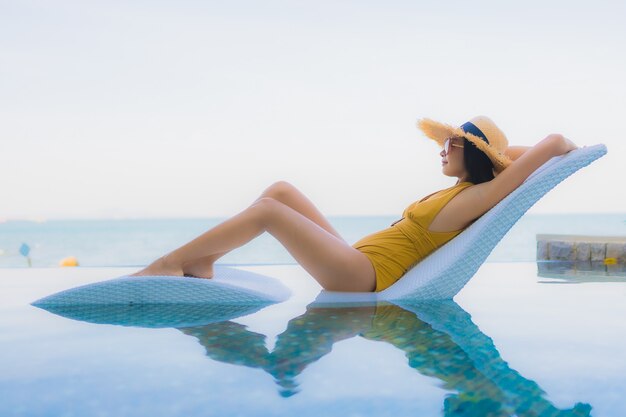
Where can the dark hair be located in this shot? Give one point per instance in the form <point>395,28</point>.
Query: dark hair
<point>477,164</point>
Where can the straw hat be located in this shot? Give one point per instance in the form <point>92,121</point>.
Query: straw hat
<point>481,131</point>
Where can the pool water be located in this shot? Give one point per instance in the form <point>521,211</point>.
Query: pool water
<point>511,343</point>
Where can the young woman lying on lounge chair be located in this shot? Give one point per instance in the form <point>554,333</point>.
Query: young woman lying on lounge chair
<point>477,153</point>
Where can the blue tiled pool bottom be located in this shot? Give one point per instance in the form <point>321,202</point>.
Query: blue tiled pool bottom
<point>510,344</point>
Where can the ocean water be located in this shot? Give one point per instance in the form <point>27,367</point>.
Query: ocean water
<point>99,243</point>
<point>137,242</point>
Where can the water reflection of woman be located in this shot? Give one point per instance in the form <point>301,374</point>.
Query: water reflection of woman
<point>439,340</point>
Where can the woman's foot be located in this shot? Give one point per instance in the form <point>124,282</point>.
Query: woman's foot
<point>199,268</point>
<point>160,267</point>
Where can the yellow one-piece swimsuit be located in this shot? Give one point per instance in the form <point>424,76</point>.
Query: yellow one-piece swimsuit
<point>395,250</point>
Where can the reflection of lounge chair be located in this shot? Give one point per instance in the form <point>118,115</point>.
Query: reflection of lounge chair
<point>440,276</point>
<point>154,315</point>
<point>521,394</point>
<point>438,339</point>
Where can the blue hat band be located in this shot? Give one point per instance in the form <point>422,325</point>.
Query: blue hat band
<point>470,127</point>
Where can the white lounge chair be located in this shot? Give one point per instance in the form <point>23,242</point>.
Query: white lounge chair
<point>445,272</point>
<point>439,276</point>
<point>230,286</point>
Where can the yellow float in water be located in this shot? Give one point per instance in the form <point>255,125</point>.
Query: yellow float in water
<point>610,261</point>
<point>69,261</point>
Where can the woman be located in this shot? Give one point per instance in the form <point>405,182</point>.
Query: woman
<point>477,153</point>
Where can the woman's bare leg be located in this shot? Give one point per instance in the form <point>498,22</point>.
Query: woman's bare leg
<point>330,260</point>
<point>286,194</point>
<point>202,267</point>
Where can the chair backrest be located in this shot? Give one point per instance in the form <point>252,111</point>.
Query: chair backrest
<point>446,271</point>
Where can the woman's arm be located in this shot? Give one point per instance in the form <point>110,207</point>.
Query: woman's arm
<point>514,152</point>
<point>486,195</point>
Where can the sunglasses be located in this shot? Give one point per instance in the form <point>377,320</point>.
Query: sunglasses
<point>447,143</point>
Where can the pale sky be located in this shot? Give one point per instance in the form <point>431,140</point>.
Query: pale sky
<point>115,109</point>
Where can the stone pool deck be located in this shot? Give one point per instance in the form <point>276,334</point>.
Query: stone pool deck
<point>608,250</point>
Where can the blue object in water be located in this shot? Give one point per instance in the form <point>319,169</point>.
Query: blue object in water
<point>24,249</point>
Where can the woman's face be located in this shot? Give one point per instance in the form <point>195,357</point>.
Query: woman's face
<point>452,163</point>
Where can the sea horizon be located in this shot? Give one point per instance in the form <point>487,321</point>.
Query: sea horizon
<point>138,241</point>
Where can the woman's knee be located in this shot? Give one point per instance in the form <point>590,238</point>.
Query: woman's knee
<point>279,190</point>
<point>265,209</point>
